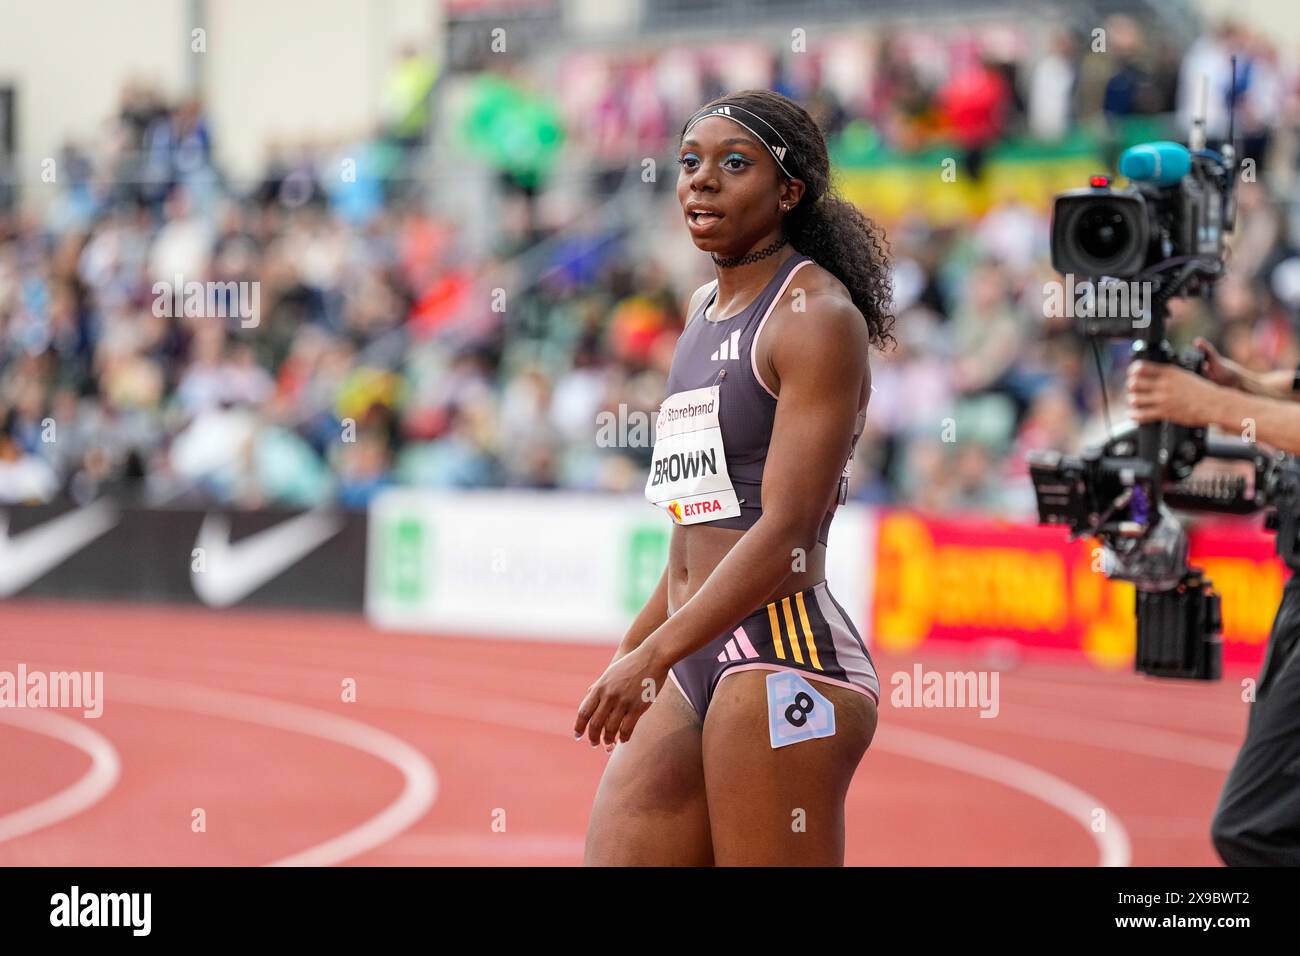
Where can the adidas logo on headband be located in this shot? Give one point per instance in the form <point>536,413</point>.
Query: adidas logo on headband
<point>778,152</point>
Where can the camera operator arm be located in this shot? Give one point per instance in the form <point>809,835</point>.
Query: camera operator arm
<point>1276,422</point>
<point>1278,384</point>
<point>1161,392</point>
<point>1281,383</point>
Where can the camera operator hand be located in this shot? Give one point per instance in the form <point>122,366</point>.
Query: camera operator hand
<point>1220,370</point>
<point>1158,391</point>
<point>1164,392</point>
<point>1226,372</point>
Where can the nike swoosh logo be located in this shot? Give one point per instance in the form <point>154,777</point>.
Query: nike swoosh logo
<point>28,555</point>
<point>234,571</point>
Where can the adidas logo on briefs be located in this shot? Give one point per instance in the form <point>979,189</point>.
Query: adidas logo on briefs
<point>738,648</point>
<point>729,349</point>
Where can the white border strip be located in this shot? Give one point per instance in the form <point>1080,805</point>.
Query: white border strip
<point>753,343</point>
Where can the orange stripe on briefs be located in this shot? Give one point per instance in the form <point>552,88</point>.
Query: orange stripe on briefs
<point>794,635</point>
<point>807,631</point>
<point>776,631</point>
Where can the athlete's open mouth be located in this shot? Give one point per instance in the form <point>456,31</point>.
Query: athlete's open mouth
<point>702,216</point>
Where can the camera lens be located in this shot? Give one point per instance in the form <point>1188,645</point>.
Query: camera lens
<point>1103,232</point>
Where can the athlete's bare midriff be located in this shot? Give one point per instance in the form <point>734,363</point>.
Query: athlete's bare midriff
<point>695,550</point>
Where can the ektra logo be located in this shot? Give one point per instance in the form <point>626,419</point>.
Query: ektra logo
<point>680,511</point>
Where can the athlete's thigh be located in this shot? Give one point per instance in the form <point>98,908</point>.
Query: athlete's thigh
<point>779,806</point>
<point>650,808</point>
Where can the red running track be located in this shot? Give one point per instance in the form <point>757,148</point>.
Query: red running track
<point>238,718</point>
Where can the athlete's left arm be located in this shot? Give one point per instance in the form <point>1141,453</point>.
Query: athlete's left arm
<point>820,360</point>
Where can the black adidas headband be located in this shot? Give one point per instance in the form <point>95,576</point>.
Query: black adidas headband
<point>774,141</point>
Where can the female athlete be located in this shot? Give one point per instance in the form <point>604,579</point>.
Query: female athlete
<point>742,698</point>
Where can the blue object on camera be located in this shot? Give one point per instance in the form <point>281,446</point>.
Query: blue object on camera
<point>1162,163</point>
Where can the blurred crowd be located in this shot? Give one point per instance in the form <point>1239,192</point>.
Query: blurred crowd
<point>379,353</point>
<point>906,89</point>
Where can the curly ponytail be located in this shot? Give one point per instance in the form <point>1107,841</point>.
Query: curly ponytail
<point>824,226</point>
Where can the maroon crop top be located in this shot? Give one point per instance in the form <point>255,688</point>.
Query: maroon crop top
<point>721,354</point>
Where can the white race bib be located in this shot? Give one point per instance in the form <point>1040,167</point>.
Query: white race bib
<point>688,476</point>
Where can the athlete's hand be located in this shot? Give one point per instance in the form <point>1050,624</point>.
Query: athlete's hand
<point>618,698</point>
<point>1160,391</point>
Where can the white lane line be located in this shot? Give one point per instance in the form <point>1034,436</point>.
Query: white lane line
<point>1114,847</point>
<point>419,791</point>
<point>1135,694</point>
<point>1119,735</point>
<point>102,775</point>
<point>555,721</point>
<point>1113,844</point>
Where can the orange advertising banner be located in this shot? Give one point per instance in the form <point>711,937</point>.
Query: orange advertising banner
<point>976,579</point>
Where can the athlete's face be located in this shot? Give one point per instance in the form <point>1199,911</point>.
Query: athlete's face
<point>730,188</point>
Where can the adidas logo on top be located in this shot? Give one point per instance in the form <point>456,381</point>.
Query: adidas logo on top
<point>729,349</point>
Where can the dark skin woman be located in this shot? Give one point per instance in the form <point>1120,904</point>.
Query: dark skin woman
<point>679,790</point>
